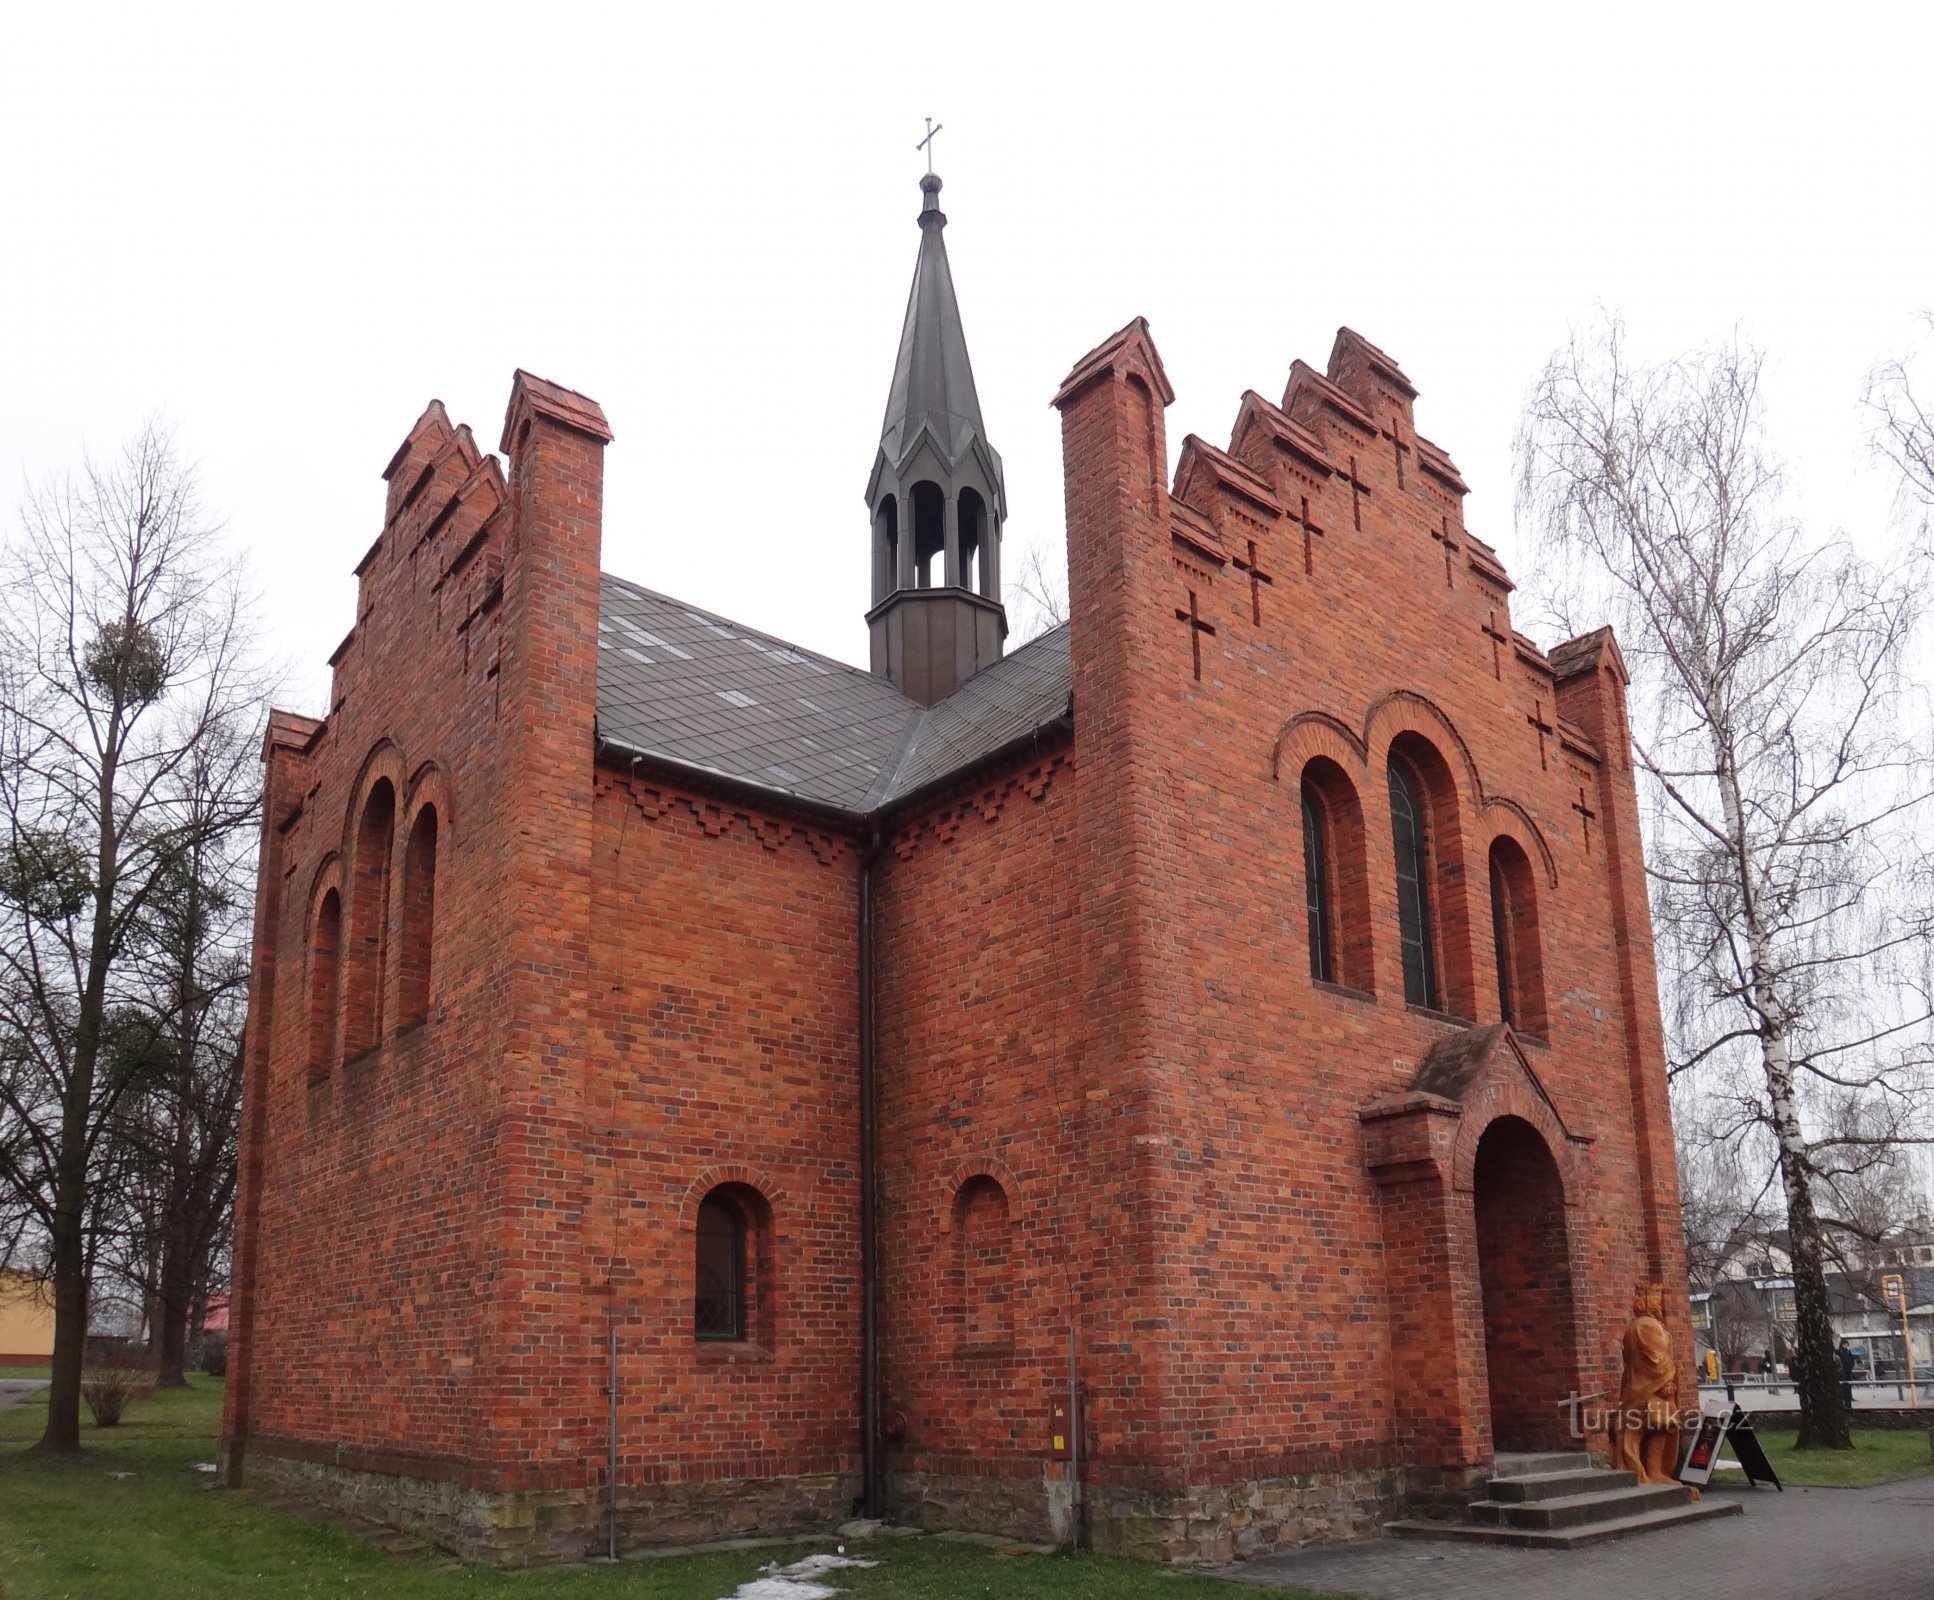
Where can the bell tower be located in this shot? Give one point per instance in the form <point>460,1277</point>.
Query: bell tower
<point>936,496</point>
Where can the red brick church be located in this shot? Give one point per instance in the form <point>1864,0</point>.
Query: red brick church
<point>1192,1082</point>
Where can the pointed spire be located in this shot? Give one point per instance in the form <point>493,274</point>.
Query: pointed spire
<point>936,497</point>
<point>933,380</point>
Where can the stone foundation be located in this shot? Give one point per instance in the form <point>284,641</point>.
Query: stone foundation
<point>530,1527</point>
<point>1205,1524</point>
<point>1213,1525</point>
<point>1030,1510</point>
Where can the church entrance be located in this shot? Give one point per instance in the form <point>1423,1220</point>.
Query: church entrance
<point>1524,1267</point>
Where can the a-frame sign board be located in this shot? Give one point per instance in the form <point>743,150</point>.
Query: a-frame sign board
<point>1719,1431</point>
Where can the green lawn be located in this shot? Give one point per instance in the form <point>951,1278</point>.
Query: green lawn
<point>71,1532</point>
<point>1878,1455</point>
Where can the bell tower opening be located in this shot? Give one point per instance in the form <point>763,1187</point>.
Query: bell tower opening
<point>929,536</point>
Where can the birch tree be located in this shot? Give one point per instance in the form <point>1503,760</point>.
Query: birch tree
<point>1783,784</point>
<point>127,689</point>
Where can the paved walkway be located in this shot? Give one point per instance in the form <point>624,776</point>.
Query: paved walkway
<point>14,1390</point>
<point>1807,1544</point>
<point>1757,1396</point>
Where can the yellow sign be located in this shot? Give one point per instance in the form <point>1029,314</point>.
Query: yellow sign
<point>1712,1365</point>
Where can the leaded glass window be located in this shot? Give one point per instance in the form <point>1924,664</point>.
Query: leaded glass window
<point>1413,888</point>
<point>719,1309</point>
<point>1316,880</point>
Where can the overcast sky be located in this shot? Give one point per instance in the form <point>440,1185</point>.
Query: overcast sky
<point>287,228</point>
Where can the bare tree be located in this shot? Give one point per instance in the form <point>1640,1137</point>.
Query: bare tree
<point>127,692</point>
<point>1783,793</point>
<point>1904,424</point>
<point>1038,592</point>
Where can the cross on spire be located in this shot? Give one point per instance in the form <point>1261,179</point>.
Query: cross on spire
<point>1585,814</point>
<point>1310,529</point>
<point>1257,578</point>
<point>1442,534</point>
<point>926,144</point>
<point>1537,720</point>
<point>1197,627</point>
<point>1490,631</point>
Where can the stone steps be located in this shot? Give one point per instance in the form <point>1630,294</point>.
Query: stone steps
<point>1572,1510</point>
<point>1553,1485</point>
<point>1565,1538</point>
<point>1560,1500</point>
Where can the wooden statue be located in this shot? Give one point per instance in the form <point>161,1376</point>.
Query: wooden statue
<point>1645,1428</point>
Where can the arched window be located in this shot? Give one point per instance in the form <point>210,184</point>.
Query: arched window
<point>981,1229</point>
<point>1336,885</point>
<point>1316,886</point>
<point>367,958</point>
<point>1410,836</point>
<point>1514,935</point>
<point>733,1267</point>
<point>718,1310</point>
<point>325,944</point>
<point>419,917</point>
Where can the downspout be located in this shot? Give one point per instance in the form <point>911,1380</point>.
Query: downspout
<point>872,1477</point>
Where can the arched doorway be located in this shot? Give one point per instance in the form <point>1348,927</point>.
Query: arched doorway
<point>1524,1268</point>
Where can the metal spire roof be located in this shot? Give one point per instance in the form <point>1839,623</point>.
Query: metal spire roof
<point>933,381</point>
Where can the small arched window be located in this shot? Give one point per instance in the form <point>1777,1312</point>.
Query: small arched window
<point>419,917</point>
<point>1514,937</point>
<point>325,945</point>
<point>1316,885</point>
<point>719,1306</point>
<point>1410,836</point>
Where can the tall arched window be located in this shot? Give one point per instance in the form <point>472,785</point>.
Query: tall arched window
<point>419,917</point>
<point>718,1310</point>
<point>367,958</point>
<point>1514,935</point>
<point>1410,835</point>
<point>1336,881</point>
<point>325,944</point>
<point>1316,886</point>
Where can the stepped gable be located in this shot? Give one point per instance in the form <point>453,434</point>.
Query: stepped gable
<point>1586,653</point>
<point>1262,429</point>
<point>1203,469</point>
<point>1126,347</point>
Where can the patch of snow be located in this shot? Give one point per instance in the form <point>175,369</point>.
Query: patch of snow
<point>796,1582</point>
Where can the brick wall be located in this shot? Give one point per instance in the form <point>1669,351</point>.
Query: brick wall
<point>1112,1097</point>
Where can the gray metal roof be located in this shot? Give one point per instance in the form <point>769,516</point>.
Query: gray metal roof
<point>933,381</point>
<point>681,685</point>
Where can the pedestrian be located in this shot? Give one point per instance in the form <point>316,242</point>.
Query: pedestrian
<point>1846,1374</point>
